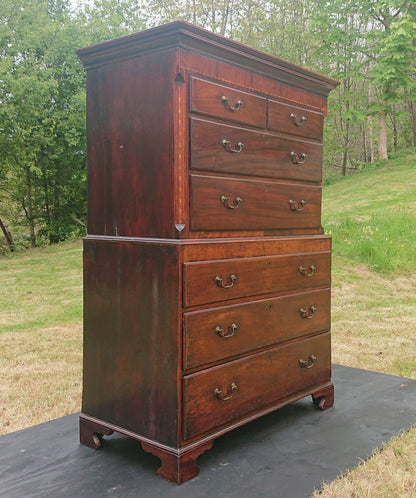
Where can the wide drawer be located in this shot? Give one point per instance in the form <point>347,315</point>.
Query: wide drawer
<point>227,103</point>
<point>228,149</point>
<point>220,280</point>
<point>295,120</point>
<point>218,333</point>
<point>222,394</point>
<point>219,203</point>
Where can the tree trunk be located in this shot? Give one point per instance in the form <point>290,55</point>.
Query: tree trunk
<point>7,234</point>
<point>365,145</point>
<point>412,122</point>
<point>370,138</point>
<point>382,135</point>
<point>395,137</point>
<point>29,208</point>
<point>344,162</point>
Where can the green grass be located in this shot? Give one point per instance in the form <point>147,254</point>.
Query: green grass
<point>41,287</point>
<point>372,216</point>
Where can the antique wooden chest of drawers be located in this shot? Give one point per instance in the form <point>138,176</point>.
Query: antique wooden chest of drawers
<point>206,274</point>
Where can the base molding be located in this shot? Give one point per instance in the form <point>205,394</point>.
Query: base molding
<point>180,464</point>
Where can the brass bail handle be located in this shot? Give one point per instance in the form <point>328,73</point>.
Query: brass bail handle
<point>226,101</point>
<point>309,363</point>
<point>227,146</point>
<point>232,328</point>
<point>297,205</point>
<point>220,282</point>
<point>295,121</point>
<point>308,314</point>
<point>225,201</point>
<point>296,159</point>
<point>307,272</point>
<point>230,393</point>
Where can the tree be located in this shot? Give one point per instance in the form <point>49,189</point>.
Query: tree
<point>42,137</point>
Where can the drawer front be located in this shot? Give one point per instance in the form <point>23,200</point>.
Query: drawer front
<point>220,280</point>
<point>295,120</point>
<point>228,149</point>
<point>222,394</point>
<point>227,103</point>
<point>219,333</point>
<point>219,203</point>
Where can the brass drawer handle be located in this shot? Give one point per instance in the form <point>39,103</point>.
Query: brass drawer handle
<point>309,363</point>
<point>307,272</point>
<point>233,327</point>
<point>308,314</point>
<point>227,146</point>
<point>219,394</point>
<point>225,201</point>
<point>298,159</point>
<point>297,205</point>
<point>226,101</point>
<point>294,118</point>
<point>220,282</point>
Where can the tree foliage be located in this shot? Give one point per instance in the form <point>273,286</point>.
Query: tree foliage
<point>369,45</point>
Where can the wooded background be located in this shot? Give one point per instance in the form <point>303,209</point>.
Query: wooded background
<point>368,45</point>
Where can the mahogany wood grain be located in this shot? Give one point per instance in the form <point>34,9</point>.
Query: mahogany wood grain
<point>178,467</point>
<point>91,433</point>
<point>254,276</point>
<point>131,319</point>
<point>207,249</point>
<point>279,119</point>
<point>264,204</point>
<point>253,325</point>
<point>207,98</point>
<point>130,186</point>
<point>260,380</point>
<point>324,398</point>
<point>262,154</point>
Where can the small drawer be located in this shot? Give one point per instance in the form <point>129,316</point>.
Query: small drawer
<point>220,280</point>
<point>227,103</point>
<point>225,393</point>
<point>295,120</point>
<point>219,203</point>
<point>228,149</point>
<point>219,333</point>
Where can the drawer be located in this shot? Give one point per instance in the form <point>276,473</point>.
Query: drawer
<point>220,280</point>
<point>219,203</point>
<point>228,149</point>
<point>219,333</point>
<point>295,120</point>
<point>227,103</point>
<point>225,393</point>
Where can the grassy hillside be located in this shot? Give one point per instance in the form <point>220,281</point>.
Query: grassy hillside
<point>371,217</point>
